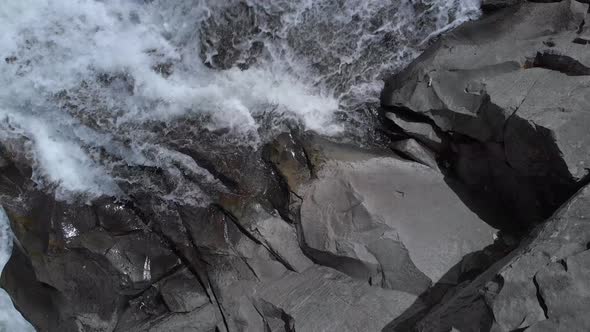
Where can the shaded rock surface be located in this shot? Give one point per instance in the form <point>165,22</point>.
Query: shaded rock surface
<point>509,90</point>
<point>413,150</point>
<point>516,80</point>
<point>328,250</point>
<point>322,299</point>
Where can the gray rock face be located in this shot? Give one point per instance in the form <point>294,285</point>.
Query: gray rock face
<point>514,78</point>
<point>183,293</point>
<point>510,92</point>
<point>393,222</point>
<point>312,235</point>
<point>424,132</point>
<point>322,299</point>
<point>542,286</point>
<point>416,151</point>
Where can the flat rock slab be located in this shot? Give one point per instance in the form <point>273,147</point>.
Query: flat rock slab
<point>322,299</point>
<point>355,209</point>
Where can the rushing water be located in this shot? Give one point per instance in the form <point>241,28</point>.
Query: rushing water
<point>90,85</point>
<point>82,79</point>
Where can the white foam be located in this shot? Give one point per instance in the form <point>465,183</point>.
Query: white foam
<point>10,318</point>
<point>307,75</point>
<point>321,57</point>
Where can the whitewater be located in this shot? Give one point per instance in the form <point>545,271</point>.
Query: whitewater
<point>90,86</point>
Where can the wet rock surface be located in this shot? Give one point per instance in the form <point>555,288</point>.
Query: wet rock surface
<point>484,139</point>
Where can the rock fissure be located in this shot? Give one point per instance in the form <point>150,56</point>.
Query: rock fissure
<point>540,298</point>
<point>558,62</point>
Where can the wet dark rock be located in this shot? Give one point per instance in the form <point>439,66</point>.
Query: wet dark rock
<point>288,156</point>
<point>493,5</point>
<point>78,274</point>
<point>182,292</point>
<point>117,218</point>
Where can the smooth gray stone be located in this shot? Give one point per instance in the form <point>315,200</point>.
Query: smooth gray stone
<point>357,208</point>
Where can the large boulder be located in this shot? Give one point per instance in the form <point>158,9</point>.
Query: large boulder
<point>394,223</point>
<point>515,79</point>
<point>542,286</point>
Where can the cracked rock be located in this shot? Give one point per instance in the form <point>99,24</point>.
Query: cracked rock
<point>367,218</point>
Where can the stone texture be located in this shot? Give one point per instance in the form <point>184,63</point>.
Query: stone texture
<point>499,77</point>
<point>542,286</point>
<point>491,5</point>
<point>416,151</point>
<point>322,299</point>
<point>514,79</point>
<point>182,292</point>
<point>421,131</point>
<point>393,222</point>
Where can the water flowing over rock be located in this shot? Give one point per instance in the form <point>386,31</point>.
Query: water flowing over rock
<point>238,166</point>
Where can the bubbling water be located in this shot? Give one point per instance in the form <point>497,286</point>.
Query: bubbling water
<point>86,82</point>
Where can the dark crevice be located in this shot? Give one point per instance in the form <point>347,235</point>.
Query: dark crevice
<point>409,319</point>
<point>192,265</point>
<point>540,298</point>
<point>407,114</point>
<point>308,161</point>
<point>558,62</point>
<point>563,263</point>
<point>408,157</point>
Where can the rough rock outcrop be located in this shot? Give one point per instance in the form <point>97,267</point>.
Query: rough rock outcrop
<point>395,223</point>
<point>542,286</point>
<point>509,90</point>
<point>308,234</point>
<point>516,81</point>
<point>322,299</point>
